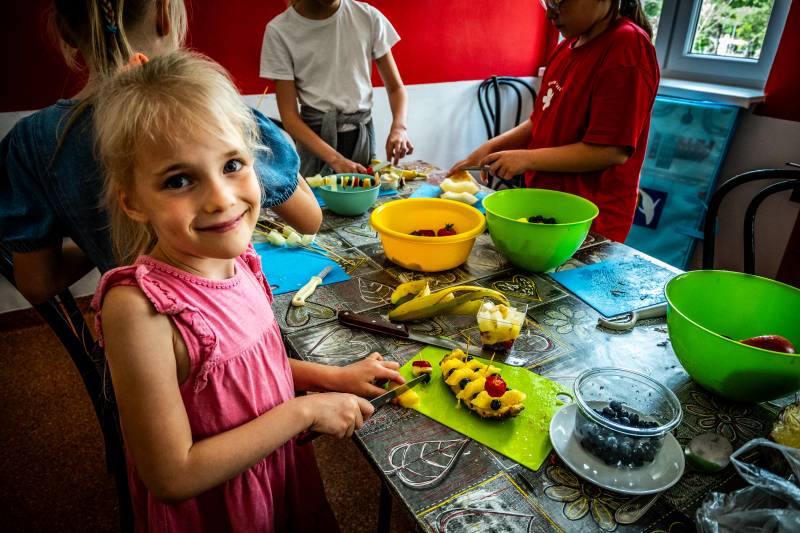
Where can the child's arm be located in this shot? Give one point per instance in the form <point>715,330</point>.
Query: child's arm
<point>577,157</point>
<point>516,139</point>
<point>397,144</point>
<point>356,378</point>
<point>42,274</point>
<point>141,347</point>
<point>286,96</point>
<point>301,211</point>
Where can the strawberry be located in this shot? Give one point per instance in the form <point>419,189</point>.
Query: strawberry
<point>446,231</point>
<point>495,386</point>
<point>424,233</point>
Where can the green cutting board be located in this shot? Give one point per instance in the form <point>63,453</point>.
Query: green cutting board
<point>525,439</point>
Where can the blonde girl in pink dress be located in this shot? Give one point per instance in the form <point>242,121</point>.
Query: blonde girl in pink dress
<point>203,384</point>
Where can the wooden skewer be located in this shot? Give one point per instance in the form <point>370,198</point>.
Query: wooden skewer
<point>262,96</point>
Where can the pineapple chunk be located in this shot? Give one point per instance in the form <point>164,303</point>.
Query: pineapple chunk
<point>512,397</point>
<point>474,387</point>
<point>456,377</point>
<point>483,401</point>
<point>451,364</point>
<point>476,365</point>
<point>408,399</point>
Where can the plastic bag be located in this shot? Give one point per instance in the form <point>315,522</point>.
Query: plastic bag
<point>770,505</point>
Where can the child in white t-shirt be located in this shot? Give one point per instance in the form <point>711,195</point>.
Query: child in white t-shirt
<point>320,52</point>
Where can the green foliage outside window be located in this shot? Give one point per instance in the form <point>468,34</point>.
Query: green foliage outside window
<point>733,28</point>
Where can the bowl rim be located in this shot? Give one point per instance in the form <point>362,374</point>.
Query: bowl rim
<point>328,189</point>
<point>508,191</point>
<point>383,230</point>
<point>627,430</point>
<point>671,306</point>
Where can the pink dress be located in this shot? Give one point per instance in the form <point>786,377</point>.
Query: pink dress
<point>239,370</point>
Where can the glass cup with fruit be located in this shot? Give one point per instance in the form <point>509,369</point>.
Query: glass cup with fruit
<point>500,324</point>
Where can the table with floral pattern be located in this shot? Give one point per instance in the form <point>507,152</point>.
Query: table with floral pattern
<point>463,486</point>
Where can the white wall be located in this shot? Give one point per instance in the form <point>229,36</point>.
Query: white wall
<point>445,125</point>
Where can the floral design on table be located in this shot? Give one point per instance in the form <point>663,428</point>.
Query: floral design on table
<point>581,498</point>
<point>373,292</point>
<point>728,420</point>
<point>565,320</point>
<point>362,230</point>
<point>520,286</point>
<point>425,464</point>
<point>299,316</point>
<point>339,342</point>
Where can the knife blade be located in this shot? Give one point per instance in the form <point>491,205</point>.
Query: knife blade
<point>402,331</point>
<point>307,436</point>
<point>482,169</point>
<point>300,298</point>
<point>374,168</point>
<point>394,393</point>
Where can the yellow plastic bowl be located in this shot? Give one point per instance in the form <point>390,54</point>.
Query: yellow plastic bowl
<point>394,222</point>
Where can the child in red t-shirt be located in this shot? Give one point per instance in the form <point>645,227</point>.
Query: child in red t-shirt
<point>588,131</point>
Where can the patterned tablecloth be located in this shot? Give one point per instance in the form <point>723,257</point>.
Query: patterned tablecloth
<point>469,487</point>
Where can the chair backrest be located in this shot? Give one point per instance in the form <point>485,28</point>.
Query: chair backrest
<point>490,109</point>
<point>792,178</point>
<point>68,324</point>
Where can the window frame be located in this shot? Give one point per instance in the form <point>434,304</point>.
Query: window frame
<point>676,31</point>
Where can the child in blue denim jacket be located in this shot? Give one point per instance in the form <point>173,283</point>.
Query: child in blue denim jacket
<point>50,177</point>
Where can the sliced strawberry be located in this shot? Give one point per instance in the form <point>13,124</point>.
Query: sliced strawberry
<point>495,386</point>
<point>420,363</point>
<point>446,231</point>
<point>508,344</point>
<point>425,233</point>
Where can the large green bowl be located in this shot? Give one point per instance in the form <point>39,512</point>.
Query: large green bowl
<point>704,305</point>
<point>352,201</point>
<point>538,247</point>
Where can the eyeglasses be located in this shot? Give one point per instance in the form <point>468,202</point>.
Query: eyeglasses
<point>551,4</point>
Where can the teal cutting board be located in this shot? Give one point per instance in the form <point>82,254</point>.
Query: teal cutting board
<point>525,439</point>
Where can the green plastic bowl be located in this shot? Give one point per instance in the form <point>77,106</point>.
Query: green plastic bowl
<point>704,305</point>
<point>352,201</point>
<point>538,247</point>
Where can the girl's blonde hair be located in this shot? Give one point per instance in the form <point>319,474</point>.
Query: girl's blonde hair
<point>164,101</point>
<point>633,10</point>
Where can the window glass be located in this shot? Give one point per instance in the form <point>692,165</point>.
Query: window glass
<point>731,28</point>
<point>652,10</point>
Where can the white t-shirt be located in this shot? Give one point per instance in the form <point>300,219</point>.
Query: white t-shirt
<point>330,60</point>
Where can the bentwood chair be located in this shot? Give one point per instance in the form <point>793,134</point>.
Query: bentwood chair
<point>67,322</point>
<point>791,181</point>
<point>491,111</point>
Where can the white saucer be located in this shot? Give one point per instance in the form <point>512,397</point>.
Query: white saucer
<point>659,475</point>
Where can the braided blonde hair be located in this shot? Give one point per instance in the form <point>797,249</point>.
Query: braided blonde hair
<point>162,100</point>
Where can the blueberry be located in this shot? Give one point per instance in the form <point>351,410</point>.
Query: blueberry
<point>637,462</point>
<point>634,419</point>
<point>600,441</point>
<point>496,404</point>
<point>625,450</point>
<point>451,371</point>
<point>598,411</point>
<point>592,431</point>
<point>653,425</point>
<point>464,382</point>
<point>495,374</point>
<point>611,441</point>
<point>623,413</point>
<point>426,379</point>
<point>624,420</point>
<point>507,389</point>
<point>469,358</point>
<point>608,412</point>
<point>475,395</point>
<point>638,453</point>
<point>551,220</point>
<point>615,405</point>
<point>650,455</point>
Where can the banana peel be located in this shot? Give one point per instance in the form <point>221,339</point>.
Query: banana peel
<point>426,304</point>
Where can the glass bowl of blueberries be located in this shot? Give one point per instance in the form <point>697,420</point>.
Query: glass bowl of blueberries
<point>622,416</point>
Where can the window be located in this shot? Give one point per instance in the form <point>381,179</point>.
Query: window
<point>730,42</point>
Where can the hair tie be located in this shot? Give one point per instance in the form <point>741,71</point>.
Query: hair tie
<point>136,60</point>
<point>112,29</point>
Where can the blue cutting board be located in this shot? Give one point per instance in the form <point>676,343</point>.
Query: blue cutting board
<point>636,281</point>
<point>321,203</point>
<point>432,191</point>
<point>287,269</point>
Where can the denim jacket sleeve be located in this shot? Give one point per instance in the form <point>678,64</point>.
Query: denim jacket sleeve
<point>28,222</point>
<point>277,169</point>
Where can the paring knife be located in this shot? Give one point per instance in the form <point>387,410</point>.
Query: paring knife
<point>300,298</point>
<point>482,169</point>
<point>373,169</point>
<point>355,320</point>
<point>307,436</point>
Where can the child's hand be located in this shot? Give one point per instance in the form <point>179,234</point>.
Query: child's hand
<point>473,160</point>
<point>508,164</point>
<point>397,145</point>
<point>345,166</point>
<point>358,378</point>
<point>337,414</point>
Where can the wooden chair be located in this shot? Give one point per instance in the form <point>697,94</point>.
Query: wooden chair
<point>792,181</point>
<point>67,322</point>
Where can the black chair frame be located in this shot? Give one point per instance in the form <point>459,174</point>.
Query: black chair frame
<point>68,324</point>
<point>792,178</point>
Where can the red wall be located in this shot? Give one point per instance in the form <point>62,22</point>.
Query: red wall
<point>440,42</point>
<point>783,84</point>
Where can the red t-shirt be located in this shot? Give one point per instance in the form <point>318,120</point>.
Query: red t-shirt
<point>600,93</point>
